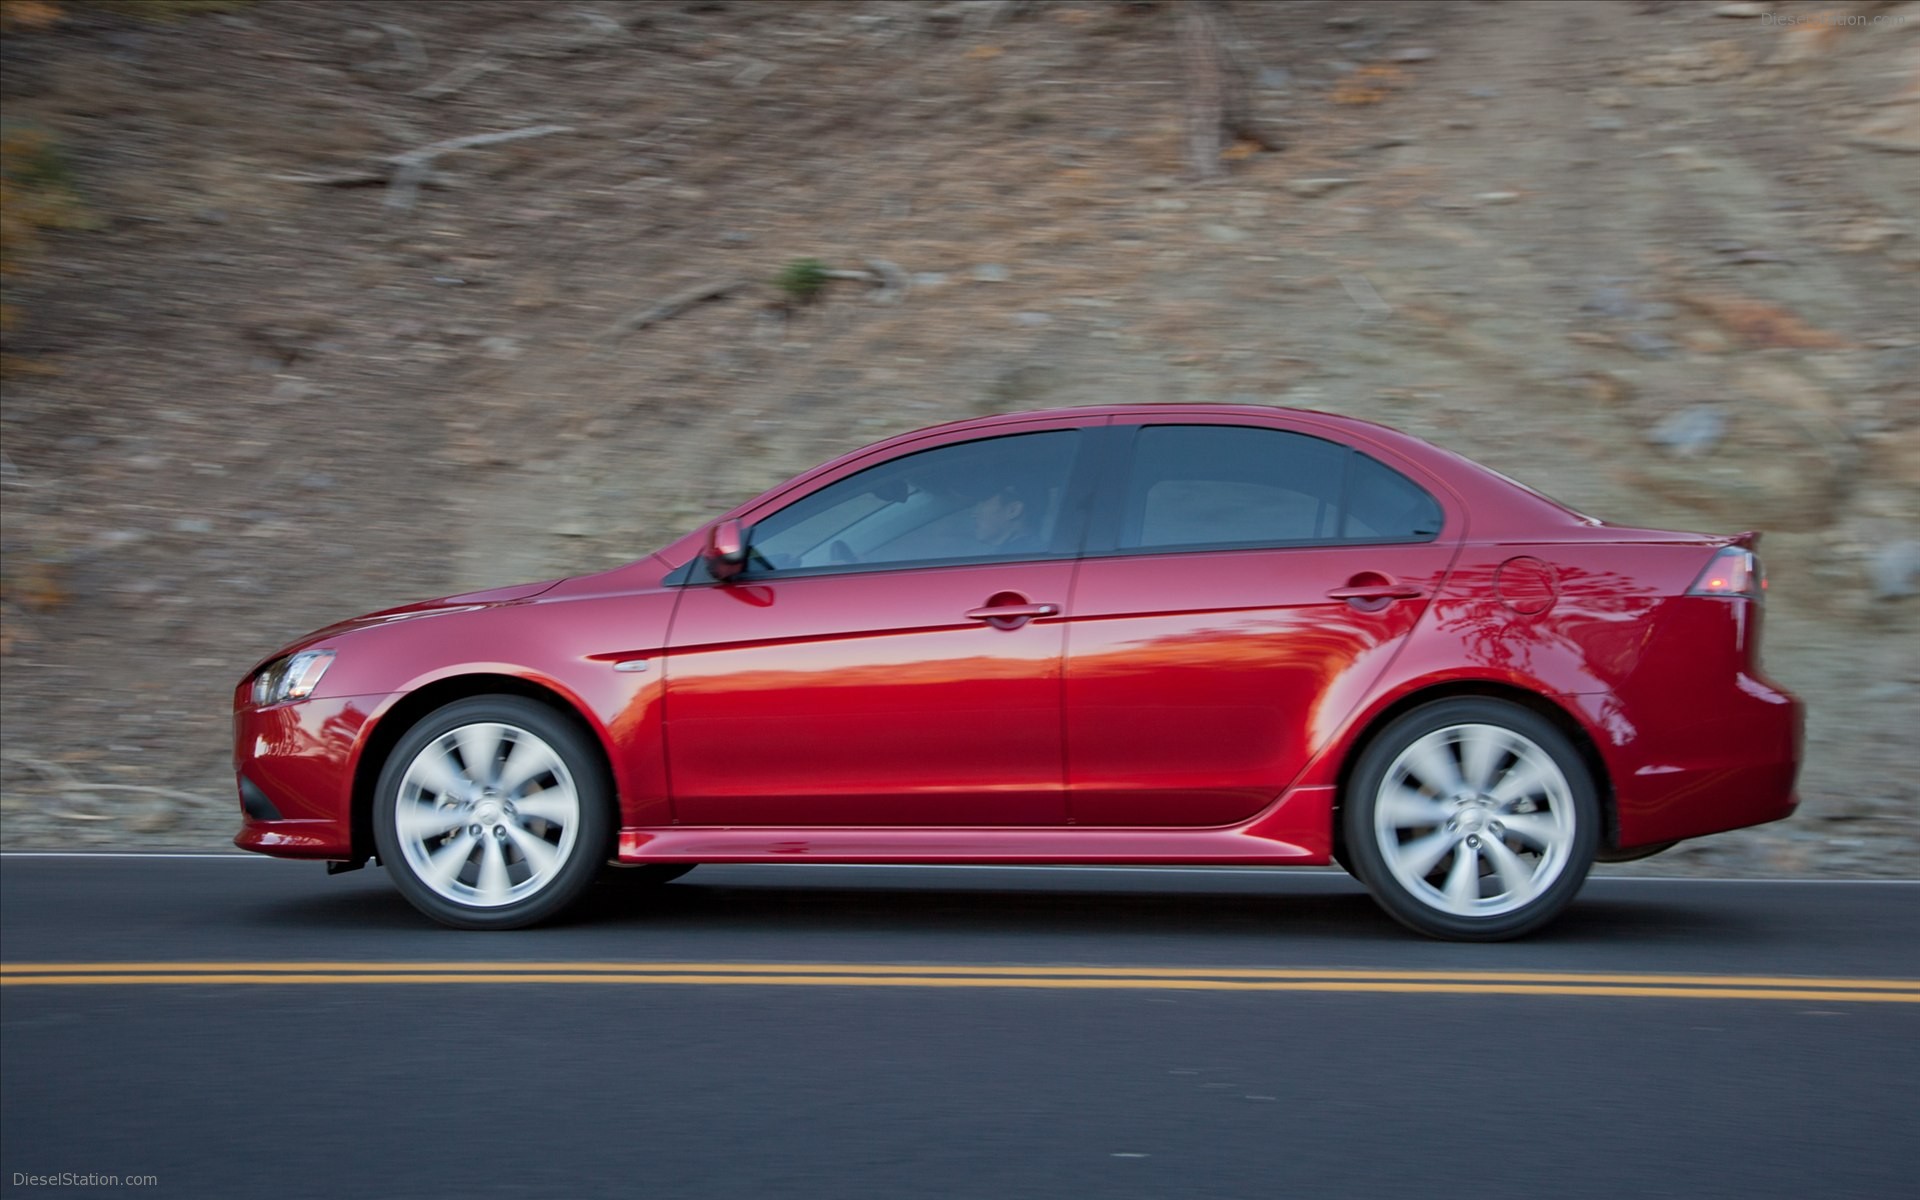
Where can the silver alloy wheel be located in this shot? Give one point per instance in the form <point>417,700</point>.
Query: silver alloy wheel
<point>487,814</point>
<point>1475,820</point>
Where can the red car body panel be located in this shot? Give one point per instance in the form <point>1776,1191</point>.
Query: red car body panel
<point>1190,707</point>
<point>1200,685</point>
<point>868,700</point>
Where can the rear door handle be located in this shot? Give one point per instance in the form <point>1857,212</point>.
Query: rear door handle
<point>1011,612</point>
<point>1378,591</point>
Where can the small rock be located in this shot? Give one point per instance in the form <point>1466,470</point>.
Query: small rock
<point>210,216</point>
<point>1609,301</point>
<point>193,525</point>
<point>317,481</point>
<point>1461,123</point>
<point>1651,345</point>
<point>155,819</point>
<point>736,237</point>
<point>929,279</point>
<point>120,537</point>
<point>571,529</point>
<point>1317,187</point>
<point>991,273</point>
<point>1225,234</point>
<point>1275,77</point>
<point>1157,183</point>
<point>1606,124</point>
<point>1413,54</point>
<point>1031,319</point>
<point>292,387</point>
<point>1170,204</point>
<point>1896,570</point>
<point>1484,93</point>
<point>1740,10</point>
<point>1691,431</point>
<point>1344,20</point>
<point>500,347</point>
<point>1497,197</point>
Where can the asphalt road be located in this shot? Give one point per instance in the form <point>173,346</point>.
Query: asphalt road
<point>249,1028</point>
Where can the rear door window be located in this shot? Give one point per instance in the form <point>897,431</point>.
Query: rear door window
<point>1194,487</point>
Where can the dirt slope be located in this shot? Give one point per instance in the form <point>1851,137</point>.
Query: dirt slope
<point>1656,260</point>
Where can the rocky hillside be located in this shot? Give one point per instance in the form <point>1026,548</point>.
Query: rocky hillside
<point>1658,259</point>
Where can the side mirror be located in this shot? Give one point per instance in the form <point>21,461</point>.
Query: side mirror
<point>726,552</point>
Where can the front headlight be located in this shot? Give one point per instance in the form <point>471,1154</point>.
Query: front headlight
<point>291,678</point>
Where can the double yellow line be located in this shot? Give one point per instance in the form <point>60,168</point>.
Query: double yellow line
<point>898,975</point>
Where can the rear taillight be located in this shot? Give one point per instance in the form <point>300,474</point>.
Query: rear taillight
<point>1734,571</point>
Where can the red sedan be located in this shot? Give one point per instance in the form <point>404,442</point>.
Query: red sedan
<point>1136,634</point>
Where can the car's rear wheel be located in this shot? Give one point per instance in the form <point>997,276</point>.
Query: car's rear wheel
<point>493,813</point>
<point>1472,819</point>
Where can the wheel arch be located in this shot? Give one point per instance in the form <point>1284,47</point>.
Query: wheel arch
<point>1543,706</point>
<point>410,709</point>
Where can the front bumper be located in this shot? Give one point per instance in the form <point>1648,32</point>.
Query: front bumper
<point>294,767</point>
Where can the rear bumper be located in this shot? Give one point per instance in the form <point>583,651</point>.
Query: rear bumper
<point>1697,741</point>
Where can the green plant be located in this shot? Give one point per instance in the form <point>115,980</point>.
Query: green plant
<point>36,192</point>
<point>802,280</point>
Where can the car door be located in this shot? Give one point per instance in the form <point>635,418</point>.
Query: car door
<point>1243,586</point>
<point>892,653</point>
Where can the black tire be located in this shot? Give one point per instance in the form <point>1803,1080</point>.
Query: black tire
<point>1496,795</point>
<point>1343,858</point>
<point>540,843</point>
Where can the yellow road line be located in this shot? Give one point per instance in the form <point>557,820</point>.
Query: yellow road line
<point>1242,979</point>
<point>1508,989</point>
<point>759,970</point>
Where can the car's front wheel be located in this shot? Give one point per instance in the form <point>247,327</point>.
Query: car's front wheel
<point>1473,819</point>
<point>493,813</point>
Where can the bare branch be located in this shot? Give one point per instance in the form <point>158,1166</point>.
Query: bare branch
<point>411,168</point>
<point>457,78</point>
<point>894,282</point>
<point>673,306</point>
<point>408,43</point>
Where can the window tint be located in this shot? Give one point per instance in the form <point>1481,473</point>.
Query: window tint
<point>1194,486</point>
<point>1385,505</point>
<point>991,500</point>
